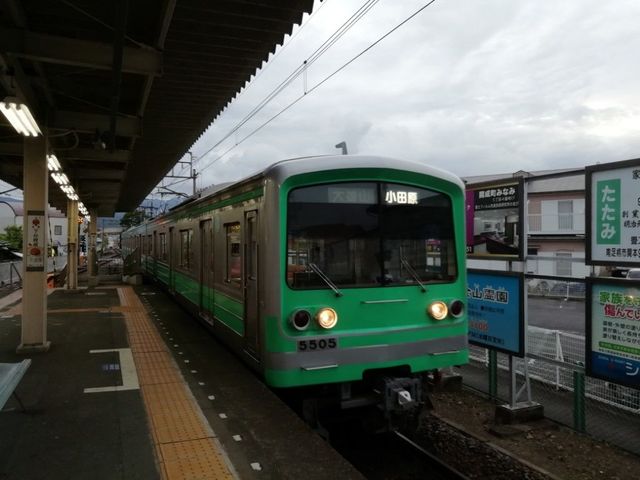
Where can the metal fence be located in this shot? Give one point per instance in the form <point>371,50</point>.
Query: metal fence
<point>110,266</point>
<point>555,359</point>
<point>11,272</point>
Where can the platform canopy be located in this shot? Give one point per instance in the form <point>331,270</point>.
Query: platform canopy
<point>124,87</point>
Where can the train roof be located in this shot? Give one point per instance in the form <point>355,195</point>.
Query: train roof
<point>284,169</point>
<point>280,171</point>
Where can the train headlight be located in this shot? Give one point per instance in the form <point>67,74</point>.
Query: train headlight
<point>300,319</point>
<point>456,308</point>
<point>438,310</point>
<point>327,318</point>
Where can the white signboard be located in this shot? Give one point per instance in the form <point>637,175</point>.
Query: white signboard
<point>613,208</point>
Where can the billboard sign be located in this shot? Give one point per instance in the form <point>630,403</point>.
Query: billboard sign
<point>613,330</point>
<point>613,213</point>
<point>493,220</point>
<point>496,310</point>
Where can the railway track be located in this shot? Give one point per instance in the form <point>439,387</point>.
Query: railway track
<point>390,456</point>
<point>442,467</point>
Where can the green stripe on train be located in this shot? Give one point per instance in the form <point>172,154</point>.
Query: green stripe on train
<point>162,272</point>
<point>202,209</point>
<point>225,309</point>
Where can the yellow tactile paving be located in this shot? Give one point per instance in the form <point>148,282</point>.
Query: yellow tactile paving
<point>184,442</point>
<point>191,459</point>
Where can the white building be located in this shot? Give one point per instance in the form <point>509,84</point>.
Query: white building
<point>12,213</point>
<point>555,220</point>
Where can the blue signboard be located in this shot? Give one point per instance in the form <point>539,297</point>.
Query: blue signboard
<point>613,331</point>
<point>495,310</point>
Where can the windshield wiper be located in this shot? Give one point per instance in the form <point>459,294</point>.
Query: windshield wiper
<point>325,279</point>
<point>413,273</point>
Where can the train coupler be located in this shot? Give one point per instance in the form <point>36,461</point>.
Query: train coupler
<point>401,395</point>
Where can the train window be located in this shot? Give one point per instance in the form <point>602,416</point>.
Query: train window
<point>163,246</point>
<point>185,248</point>
<point>234,259</point>
<point>149,245</point>
<point>362,234</point>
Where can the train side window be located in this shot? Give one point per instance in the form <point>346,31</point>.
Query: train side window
<point>185,248</point>
<point>149,245</point>
<point>234,259</point>
<point>163,246</point>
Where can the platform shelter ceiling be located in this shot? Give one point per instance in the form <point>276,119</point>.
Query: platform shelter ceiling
<point>125,87</point>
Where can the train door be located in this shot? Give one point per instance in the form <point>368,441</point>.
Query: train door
<point>251,297</point>
<point>171,259</point>
<point>206,270</point>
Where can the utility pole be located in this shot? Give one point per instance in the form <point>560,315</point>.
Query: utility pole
<point>192,173</point>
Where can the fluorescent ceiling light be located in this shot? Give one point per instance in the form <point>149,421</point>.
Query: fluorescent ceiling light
<point>20,117</point>
<point>53,163</point>
<point>60,178</point>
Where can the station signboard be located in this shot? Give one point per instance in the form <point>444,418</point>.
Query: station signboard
<point>496,310</point>
<point>613,213</point>
<point>494,221</point>
<point>613,330</point>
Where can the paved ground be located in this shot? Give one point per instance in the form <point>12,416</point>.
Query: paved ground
<point>69,434</point>
<point>66,433</point>
<point>272,435</point>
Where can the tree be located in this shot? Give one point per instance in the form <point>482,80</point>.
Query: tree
<point>12,237</point>
<point>131,219</point>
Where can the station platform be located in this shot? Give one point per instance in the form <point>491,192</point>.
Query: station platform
<point>133,387</point>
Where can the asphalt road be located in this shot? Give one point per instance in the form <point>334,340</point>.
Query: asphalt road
<point>557,314</point>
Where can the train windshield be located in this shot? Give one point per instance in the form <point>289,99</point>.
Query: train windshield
<point>369,234</point>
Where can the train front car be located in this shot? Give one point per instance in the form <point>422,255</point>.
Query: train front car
<point>372,285</point>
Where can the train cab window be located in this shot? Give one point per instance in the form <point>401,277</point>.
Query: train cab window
<point>366,234</point>
<point>234,258</point>
<point>163,246</point>
<point>185,248</point>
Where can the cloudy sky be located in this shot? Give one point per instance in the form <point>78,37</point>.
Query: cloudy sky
<point>474,87</point>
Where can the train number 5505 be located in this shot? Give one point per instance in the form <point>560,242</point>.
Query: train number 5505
<point>321,344</point>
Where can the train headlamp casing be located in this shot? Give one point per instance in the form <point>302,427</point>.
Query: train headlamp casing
<point>438,310</point>
<point>300,319</point>
<point>456,308</point>
<point>327,318</point>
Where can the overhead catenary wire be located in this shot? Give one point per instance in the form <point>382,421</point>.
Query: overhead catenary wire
<point>321,50</point>
<point>323,81</point>
<point>266,67</point>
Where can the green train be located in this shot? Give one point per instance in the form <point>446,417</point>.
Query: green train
<point>346,272</point>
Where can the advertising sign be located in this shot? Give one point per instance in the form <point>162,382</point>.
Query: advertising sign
<point>493,219</point>
<point>35,236</point>
<point>613,213</point>
<point>496,310</point>
<point>613,331</point>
